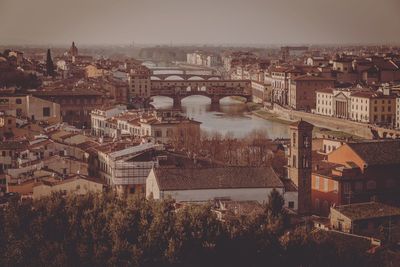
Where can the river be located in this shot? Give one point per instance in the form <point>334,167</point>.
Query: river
<point>230,116</point>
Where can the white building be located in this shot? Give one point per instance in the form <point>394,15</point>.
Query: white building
<point>100,116</point>
<point>159,125</point>
<point>126,169</point>
<point>205,184</point>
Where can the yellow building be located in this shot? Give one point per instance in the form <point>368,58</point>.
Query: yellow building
<point>77,185</point>
<point>93,71</point>
<point>373,107</point>
<point>30,107</point>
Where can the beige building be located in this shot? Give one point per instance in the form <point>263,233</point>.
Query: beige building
<point>79,185</point>
<point>159,125</point>
<point>94,71</point>
<point>139,82</point>
<point>30,107</point>
<point>364,218</point>
<point>373,107</point>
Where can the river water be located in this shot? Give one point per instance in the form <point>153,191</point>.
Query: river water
<point>231,116</point>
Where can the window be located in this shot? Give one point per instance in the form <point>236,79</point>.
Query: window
<point>317,182</point>
<point>294,139</point>
<point>46,112</point>
<point>326,187</point>
<point>18,101</point>
<point>346,188</point>
<point>291,205</point>
<point>132,190</point>
<point>158,133</point>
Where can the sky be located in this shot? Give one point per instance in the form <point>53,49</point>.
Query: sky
<point>199,22</point>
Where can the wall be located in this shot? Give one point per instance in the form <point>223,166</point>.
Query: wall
<point>354,128</point>
<point>76,186</point>
<point>236,194</point>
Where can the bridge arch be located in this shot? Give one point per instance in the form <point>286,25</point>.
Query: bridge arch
<point>174,77</point>
<point>195,78</point>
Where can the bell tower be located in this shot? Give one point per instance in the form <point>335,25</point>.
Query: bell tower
<point>299,165</point>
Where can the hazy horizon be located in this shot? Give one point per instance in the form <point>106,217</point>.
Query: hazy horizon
<point>217,22</point>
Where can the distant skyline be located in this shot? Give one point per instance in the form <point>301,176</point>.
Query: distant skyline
<point>263,22</point>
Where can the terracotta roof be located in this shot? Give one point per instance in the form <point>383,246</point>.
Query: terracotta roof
<point>301,124</point>
<point>378,152</point>
<point>367,210</point>
<point>325,90</point>
<point>216,178</point>
<point>311,78</point>
<point>14,145</point>
<point>56,92</point>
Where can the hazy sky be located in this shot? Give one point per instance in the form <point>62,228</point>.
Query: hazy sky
<point>201,21</point>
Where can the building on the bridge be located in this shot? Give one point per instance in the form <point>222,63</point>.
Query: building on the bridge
<point>356,171</point>
<point>302,91</point>
<point>139,81</point>
<point>161,126</point>
<point>214,89</point>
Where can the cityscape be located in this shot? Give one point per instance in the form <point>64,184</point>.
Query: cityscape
<point>188,133</point>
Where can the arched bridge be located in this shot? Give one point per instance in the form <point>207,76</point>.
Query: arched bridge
<point>214,89</point>
<point>184,74</point>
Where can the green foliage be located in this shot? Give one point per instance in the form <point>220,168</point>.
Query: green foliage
<point>99,230</point>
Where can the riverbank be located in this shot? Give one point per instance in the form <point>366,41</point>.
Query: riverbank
<point>318,130</point>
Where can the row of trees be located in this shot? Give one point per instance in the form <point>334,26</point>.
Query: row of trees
<point>98,230</point>
<point>256,149</point>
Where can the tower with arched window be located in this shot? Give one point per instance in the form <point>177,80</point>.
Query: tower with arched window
<point>299,162</point>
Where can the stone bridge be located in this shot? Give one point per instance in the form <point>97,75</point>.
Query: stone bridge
<point>184,74</point>
<point>214,89</point>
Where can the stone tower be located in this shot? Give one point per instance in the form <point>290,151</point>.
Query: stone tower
<point>299,165</point>
<point>73,51</point>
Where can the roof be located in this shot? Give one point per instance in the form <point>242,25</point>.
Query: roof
<point>312,78</point>
<point>367,210</point>
<point>216,178</point>
<point>302,124</point>
<point>378,152</point>
<point>325,90</point>
<point>82,92</point>
<point>14,145</point>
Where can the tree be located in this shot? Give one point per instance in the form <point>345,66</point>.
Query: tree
<point>275,203</point>
<point>49,64</point>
